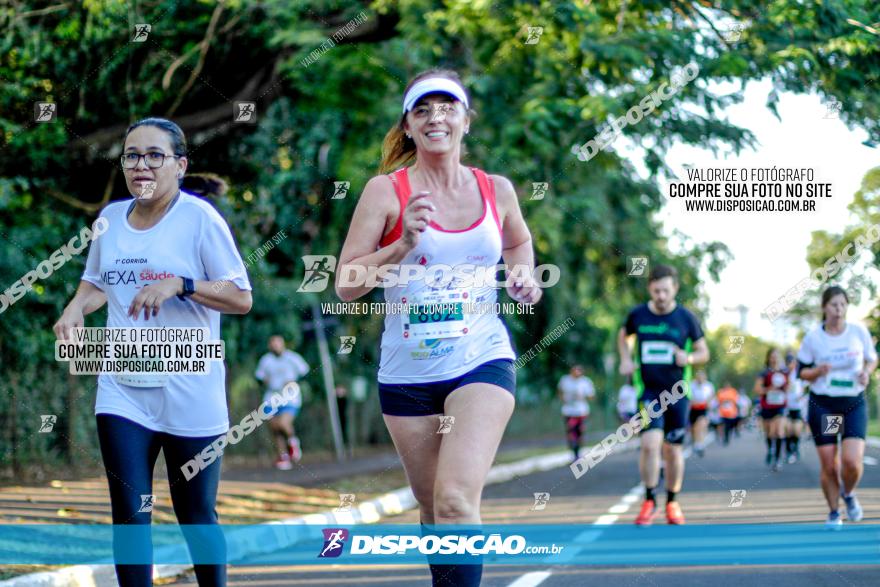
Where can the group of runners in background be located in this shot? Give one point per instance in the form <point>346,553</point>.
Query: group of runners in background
<point>822,385</point>
<point>424,208</point>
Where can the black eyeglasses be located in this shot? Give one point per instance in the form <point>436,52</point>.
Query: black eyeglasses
<point>153,159</point>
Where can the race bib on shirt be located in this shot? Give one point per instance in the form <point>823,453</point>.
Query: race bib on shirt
<point>842,380</point>
<point>436,314</point>
<point>145,378</point>
<point>776,397</point>
<point>658,352</point>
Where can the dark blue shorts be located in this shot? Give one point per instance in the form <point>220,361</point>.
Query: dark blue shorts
<point>427,399</point>
<point>770,413</point>
<point>830,417</point>
<point>674,421</point>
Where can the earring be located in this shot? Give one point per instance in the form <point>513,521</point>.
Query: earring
<point>409,136</point>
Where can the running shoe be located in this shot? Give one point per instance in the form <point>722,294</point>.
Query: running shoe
<point>283,462</point>
<point>776,466</point>
<point>834,522</point>
<point>792,459</point>
<point>293,449</point>
<point>647,513</point>
<point>854,511</point>
<point>700,452</point>
<point>673,513</point>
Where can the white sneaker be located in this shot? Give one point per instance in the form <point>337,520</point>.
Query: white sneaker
<point>854,512</point>
<point>834,522</point>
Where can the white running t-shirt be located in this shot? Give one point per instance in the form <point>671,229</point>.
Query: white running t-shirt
<point>627,400</point>
<point>701,393</point>
<point>191,240</point>
<point>575,392</point>
<point>275,371</point>
<point>847,354</point>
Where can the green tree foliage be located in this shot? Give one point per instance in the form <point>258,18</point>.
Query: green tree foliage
<point>857,274</point>
<point>322,120</point>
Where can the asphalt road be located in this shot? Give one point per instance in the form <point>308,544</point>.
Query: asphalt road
<point>609,495</point>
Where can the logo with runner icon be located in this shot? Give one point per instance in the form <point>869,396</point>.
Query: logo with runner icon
<point>539,190</point>
<point>638,266</point>
<point>446,423</point>
<point>541,500</point>
<point>340,189</point>
<point>737,497</point>
<point>317,275</point>
<point>831,423</point>
<point>736,344</point>
<point>147,503</point>
<point>334,542</point>
<point>346,500</point>
<point>47,423</point>
<point>346,345</point>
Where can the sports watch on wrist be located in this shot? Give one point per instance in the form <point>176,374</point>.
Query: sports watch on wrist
<point>189,288</point>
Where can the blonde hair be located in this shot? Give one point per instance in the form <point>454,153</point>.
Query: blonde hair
<point>399,150</point>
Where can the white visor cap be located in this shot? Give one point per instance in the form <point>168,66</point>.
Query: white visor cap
<point>430,86</point>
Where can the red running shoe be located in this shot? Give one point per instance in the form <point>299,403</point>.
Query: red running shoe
<point>283,462</point>
<point>646,514</point>
<point>293,449</point>
<point>673,513</point>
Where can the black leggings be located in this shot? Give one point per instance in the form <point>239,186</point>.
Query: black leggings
<point>130,452</point>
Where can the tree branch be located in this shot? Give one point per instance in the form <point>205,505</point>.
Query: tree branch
<point>100,139</point>
<point>205,45</point>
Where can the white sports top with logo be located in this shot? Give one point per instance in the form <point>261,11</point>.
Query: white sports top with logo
<point>191,240</point>
<point>443,345</point>
<point>846,353</point>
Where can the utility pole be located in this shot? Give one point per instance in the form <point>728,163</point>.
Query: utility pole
<point>743,312</point>
<point>318,325</point>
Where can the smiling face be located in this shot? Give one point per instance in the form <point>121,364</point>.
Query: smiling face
<point>155,143</point>
<point>437,123</point>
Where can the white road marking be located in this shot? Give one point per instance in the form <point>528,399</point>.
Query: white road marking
<point>869,460</point>
<point>531,579</point>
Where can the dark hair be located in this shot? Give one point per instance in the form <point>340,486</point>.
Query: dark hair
<point>661,271</point>
<point>834,290</point>
<point>770,351</point>
<point>397,149</point>
<point>200,184</point>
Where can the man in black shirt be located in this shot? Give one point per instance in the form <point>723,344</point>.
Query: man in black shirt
<point>669,341</point>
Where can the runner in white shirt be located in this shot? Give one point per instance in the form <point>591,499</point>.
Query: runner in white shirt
<point>627,400</point>
<point>167,259</point>
<point>745,411</point>
<point>574,390</point>
<point>702,391</point>
<point>794,399</point>
<point>838,358</point>
<point>276,369</point>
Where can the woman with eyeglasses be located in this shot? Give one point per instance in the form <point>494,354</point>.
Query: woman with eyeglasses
<point>168,259</point>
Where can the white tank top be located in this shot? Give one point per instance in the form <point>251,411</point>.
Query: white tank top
<point>410,352</point>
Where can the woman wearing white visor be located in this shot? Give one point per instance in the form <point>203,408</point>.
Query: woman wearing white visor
<point>460,363</point>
